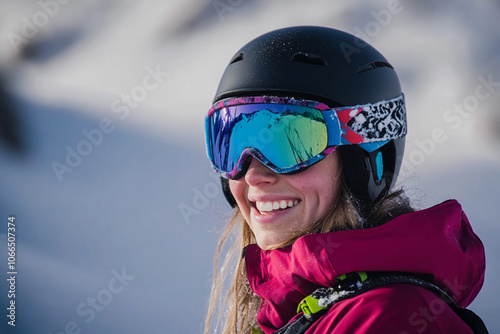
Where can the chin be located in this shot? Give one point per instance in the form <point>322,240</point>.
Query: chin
<point>271,243</point>
<point>267,244</point>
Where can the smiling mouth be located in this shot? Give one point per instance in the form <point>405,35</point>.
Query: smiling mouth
<point>268,207</point>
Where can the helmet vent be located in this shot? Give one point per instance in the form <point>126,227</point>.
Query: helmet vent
<point>308,58</point>
<point>373,65</point>
<point>237,58</point>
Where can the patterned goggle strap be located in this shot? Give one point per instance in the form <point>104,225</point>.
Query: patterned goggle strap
<point>381,121</point>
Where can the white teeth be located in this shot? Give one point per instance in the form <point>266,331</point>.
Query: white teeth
<point>270,206</point>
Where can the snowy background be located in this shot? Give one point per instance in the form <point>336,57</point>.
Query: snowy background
<point>121,239</point>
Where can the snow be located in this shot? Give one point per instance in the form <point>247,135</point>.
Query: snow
<point>140,197</point>
<point>332,297</point>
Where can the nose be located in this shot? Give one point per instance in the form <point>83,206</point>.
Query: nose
<point>258,174</point>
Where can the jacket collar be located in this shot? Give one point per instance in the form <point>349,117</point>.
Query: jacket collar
<point>438,241</point>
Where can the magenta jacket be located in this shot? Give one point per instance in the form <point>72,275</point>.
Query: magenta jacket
<point>437,241</point>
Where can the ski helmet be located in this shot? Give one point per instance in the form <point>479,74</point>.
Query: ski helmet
<point>331,67</point>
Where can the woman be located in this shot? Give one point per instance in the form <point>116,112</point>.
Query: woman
<point>307,133</point>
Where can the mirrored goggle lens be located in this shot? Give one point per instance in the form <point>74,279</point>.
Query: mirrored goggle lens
<point>281,136</point>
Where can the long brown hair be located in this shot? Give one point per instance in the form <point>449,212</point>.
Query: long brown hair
<point>238,309</point>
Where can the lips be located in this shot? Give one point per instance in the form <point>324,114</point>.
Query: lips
<point>270,206</point>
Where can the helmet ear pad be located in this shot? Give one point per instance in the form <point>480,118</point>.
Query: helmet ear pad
<point>227,192</point>
<point>370,175</point>
<point>225,183</point>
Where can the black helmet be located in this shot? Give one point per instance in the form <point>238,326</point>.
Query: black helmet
<point>329,66</point>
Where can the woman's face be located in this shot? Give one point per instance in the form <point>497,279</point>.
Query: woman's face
<point>278,206</point>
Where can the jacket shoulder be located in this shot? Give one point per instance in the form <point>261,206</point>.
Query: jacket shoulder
<point>395,309</point>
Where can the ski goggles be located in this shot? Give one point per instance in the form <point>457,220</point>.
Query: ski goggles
<point>287,134</point>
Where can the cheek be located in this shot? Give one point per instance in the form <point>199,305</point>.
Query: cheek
<point>236,189</point>
<point>321,192</point>
<point>239,190</point>
<point>320,183</point>
<point>326,195</point>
